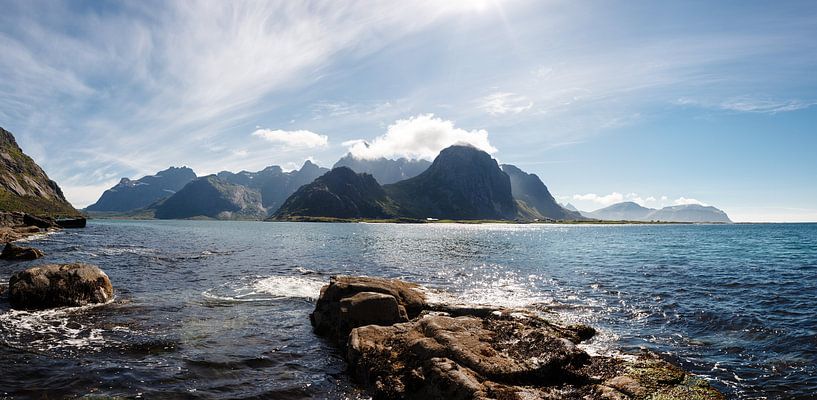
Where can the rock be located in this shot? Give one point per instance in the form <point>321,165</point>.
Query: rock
<point>14,252</point>
<point>39,222</point>
<point>59,285</point>
<point>72,223</point>
<point>400,346</point>
<point>327,320</point>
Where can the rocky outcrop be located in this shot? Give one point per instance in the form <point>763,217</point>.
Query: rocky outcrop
<point>59,285</point>
<point>401,346</point>
<point>17,253</point>
<point>18,225</point>
<point>71,223</point>
<point>24,186</point>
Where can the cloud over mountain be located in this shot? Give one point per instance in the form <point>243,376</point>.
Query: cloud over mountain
<point>293,139</point>
<point>421,136</point>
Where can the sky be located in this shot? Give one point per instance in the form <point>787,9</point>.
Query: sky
<point>657,102</point>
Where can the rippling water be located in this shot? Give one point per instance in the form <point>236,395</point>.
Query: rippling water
<point>219,309</point>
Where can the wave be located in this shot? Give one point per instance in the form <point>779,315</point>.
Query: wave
<point>53,329</point>
<point>267,288</point>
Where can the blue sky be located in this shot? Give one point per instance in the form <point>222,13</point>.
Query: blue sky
<point>654,102</point>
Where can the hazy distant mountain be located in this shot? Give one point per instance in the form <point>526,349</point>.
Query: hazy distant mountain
<point>626,211</point>
<point>212,197</point>
<point>570,207</point>
<point>530,190</point>
<point>340,193</point>
<point>24,186</point>
<point>462,183</point>
<point>273,183</point>
<point>629,211</point>
<point>130,195</point>
<point>384,170</point>
<point>689,213</point>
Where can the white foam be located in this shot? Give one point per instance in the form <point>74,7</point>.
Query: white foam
<point>268,288</point>
<point>49,329</point>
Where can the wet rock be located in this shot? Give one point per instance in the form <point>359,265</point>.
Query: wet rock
<point>71,223</point>
<point>399,346</point>
<point>59,285</point>
<point>14,252</point>
<point>327,319</point>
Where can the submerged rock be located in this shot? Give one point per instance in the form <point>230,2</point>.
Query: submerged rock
<point>59,285</point>
<point>400,346</point>
<point>14,252</point>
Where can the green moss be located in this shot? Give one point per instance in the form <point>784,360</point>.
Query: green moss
<point>35,205</point>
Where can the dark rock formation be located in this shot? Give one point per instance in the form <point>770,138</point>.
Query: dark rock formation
<point>384,170</point>
<point>443,352</point>
<point>340,193</point>
<point>212,197</point>
<point>14,252</point>
<point>39,222</point>
<point>462,183</point>
<point>24,186</point>
<point>71,223</point>
<point>59,285</point>
<point>528,188</point>
<point>130,195</point>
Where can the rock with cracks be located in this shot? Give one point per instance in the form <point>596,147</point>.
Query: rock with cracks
<point>59,285</point>
<point>19,253</point>
<point>399,345</point>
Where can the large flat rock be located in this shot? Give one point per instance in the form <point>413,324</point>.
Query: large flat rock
<point>59,285</point>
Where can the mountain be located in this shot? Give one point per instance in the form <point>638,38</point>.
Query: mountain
<point>629,211</point>
<point>24,186</point>
<point>340,193</point>
<point>273,183</point>
<point>130,195</point>
<point>211,197</point>
<point>689,213</point>
<point>530,190</point>
<point>384,170</point>
<point>626,211</point>
<point>462,183</point>
<point>570,207</point>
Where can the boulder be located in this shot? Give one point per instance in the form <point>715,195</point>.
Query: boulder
<point>400,346</point>
<point>329,320</point>
<point>59,285</point>
<point>14,252</point>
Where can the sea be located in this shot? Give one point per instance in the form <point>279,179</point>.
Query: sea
<point>219,310</point>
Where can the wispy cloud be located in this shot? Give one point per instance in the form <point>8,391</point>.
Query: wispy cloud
<point>750,104</point>
<point>505,103</point>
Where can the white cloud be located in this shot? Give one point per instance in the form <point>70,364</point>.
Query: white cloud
<point>505,103</point>
<point>421,136</point>
<point>749,104</point>
<point>685,201</point>
<point>604,200</point>
<point>293,139</point>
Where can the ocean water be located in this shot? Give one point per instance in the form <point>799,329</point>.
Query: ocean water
<point>220,309</point>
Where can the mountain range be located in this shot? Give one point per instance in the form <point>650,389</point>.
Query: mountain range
<point>25,187</point>
<point>462,183</point>
<point>630,211</point>
<point>135,194</point>
<point>385,170</point>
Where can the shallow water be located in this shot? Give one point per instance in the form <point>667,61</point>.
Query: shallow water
<point>219,309</point>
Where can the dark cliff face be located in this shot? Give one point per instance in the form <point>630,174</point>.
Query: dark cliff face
<point>529,189</point>
<point>384,170</point>
<point>24,186</point>
<point>340,193</point>
<point>130,195</point>
<point>462,183</point>
<point>212,197</point>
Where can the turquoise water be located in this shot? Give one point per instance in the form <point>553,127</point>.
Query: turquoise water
<point>219,309</point>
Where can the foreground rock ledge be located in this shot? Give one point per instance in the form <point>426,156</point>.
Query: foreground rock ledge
<point>59,285</point>
<point>398,345</point>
